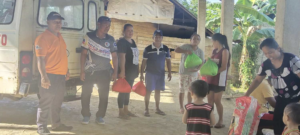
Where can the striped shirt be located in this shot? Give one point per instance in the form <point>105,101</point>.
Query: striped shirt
<point>198,119</point>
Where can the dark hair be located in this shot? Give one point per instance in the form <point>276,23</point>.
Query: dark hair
<point>195,34</point>
<point>199,88</point>
<point>270,43</point>
<point>292,111</point>
<point>222,39</point>
<point>126,26</point>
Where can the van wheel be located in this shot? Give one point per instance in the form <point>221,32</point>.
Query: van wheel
<point>70,94</point>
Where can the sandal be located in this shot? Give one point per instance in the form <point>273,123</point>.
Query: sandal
<point>131,114</point>
<point>146,114</point>
<point>219,126</point>
<point>159,112</point>
<point>124,117</point>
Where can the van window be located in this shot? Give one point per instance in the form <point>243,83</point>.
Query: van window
<point>92,21</point>
<point>7,8</point>
<point>71,10</point>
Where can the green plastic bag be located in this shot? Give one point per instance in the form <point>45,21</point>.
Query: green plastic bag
<point>192,60</point>
<point>209,68</point>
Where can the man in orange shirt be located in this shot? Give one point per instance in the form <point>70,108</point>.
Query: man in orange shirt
<point>52,61</point>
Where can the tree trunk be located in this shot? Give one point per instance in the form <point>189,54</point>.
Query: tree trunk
<point>244,56</point>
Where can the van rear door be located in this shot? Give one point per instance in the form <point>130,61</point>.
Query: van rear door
<point>10,12</point>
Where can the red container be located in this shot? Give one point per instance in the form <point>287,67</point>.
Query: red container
<point>122,86</point>
<point>140,89</point>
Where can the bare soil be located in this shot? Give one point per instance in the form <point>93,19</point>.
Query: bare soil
<point>18,117</point>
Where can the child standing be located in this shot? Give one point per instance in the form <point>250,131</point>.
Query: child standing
<point>291,119</point>
<point>198,115</point>
<point>154,59</point>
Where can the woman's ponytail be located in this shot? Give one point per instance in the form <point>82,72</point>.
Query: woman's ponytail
<point>222,39</point>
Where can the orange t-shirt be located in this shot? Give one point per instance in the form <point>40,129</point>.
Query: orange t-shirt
<point>54,49</point>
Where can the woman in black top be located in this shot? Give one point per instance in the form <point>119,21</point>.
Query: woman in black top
<point>128,67</point>
<point>284,71</point>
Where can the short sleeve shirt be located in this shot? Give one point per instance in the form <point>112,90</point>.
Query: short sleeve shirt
<point>284,79</point>
<point>262,92</point>
<point>54,49</point>
<point>156,58</point>
<point>99,51</point>
<point>131,57</point>
<point>198,52</point>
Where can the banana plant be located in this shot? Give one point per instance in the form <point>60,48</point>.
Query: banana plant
<point>248,26</point>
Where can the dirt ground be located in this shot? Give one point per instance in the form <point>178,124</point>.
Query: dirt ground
<point>18,117</point>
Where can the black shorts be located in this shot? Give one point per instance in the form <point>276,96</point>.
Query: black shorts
<point>215,88</point>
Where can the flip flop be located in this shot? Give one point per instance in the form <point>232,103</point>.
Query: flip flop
<point>219,126</point>
<point>147,114</point>
<point>131,114</point>
<point>124,117</point>
<point>160,113</point>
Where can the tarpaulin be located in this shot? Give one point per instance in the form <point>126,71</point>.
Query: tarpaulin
<point>154,11</point>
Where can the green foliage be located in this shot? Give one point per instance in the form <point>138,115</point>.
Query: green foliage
<point>248,3</point>
<point>248,68</point>
<point>266,32</point>
<point>236,56</point>
<point>267,6</point>
<point>192,6</point>
<point>213,16</point>
<point>247,13</point>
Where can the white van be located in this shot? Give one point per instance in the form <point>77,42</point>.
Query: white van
<point>21,21</point>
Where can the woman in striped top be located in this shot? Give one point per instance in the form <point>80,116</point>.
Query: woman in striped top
<point>198,115</point>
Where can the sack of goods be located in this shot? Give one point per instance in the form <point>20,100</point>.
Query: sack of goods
<point>121,85</point>
<point>209,68</point>
<point>192,60</point>
<point>139,88</point>
<point>245,117</point>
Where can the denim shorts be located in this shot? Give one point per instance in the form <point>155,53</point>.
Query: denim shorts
<point>154,81</point>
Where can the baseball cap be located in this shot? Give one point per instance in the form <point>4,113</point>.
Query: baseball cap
<point>157,32</point>
<point>54,15</point>
<point>103,19</point>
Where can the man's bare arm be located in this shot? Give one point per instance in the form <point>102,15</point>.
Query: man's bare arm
<point>45,82</point>
<point>42,66</point>
<point>82,63</point>
<point>143,66</point>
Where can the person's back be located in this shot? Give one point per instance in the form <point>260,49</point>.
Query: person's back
<point>198,115</point>
<point>261,93</point>
<point>198,119</point>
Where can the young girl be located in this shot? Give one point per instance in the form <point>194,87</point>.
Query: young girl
<point>284,71</point>
<point>291,119</point>
<point>128,67</point>
<point>217,84</point>
<point>198,115</point>
<point>188,75</point>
